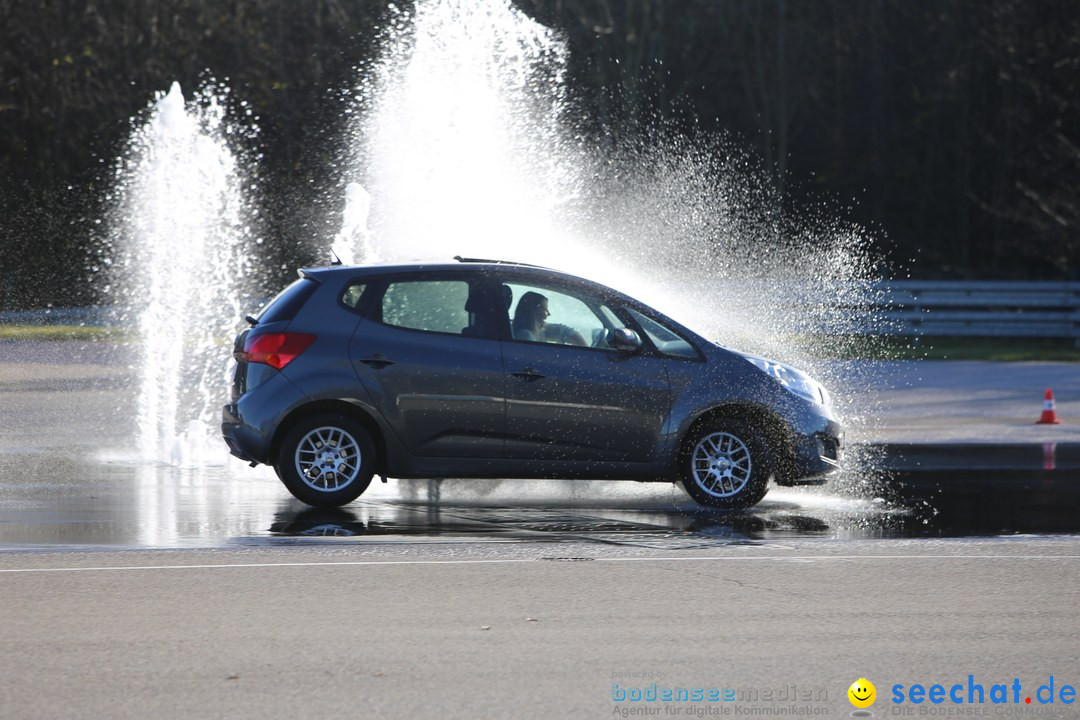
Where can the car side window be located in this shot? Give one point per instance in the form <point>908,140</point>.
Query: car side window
<point>428,305</point>
<point>546,315</point>
<point>664,338</point>
<point>352,294</point>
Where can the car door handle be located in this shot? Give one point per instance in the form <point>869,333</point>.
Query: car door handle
<point>377,361</point>
<point>528,375</point>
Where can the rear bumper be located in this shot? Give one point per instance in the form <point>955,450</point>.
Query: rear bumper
<point>248,425</point>
<point>235,435</point>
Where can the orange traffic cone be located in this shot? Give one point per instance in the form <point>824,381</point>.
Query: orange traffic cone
<point>1049,415</point>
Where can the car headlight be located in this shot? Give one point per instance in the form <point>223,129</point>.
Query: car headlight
<point>792,379</point>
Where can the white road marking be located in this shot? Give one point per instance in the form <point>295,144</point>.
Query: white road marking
<point>370,563</point>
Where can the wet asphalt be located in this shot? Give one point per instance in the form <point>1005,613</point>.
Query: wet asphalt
<point>130,589</point>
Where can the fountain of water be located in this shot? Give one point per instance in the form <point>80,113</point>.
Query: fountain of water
<point>351,242</point>
<point>183,238</point>
<point>460,140</point>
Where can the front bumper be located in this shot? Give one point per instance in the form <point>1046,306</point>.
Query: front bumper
<point>815,456</point>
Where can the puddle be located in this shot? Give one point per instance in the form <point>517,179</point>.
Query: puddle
<point>47,500</point>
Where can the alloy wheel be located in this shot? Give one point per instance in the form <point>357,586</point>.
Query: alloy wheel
<point>328,459</point>
<point>721,464</point>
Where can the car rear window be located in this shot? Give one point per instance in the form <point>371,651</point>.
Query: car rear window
<point>288,301</point>
<point>429,305</point>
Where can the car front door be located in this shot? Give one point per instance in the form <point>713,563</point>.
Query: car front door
<point>570,395</point>
<point>429,354</point>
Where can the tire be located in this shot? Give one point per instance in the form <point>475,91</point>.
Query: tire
<point>326,460</point>
<point>726,463</point>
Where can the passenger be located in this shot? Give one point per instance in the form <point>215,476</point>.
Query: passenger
<point>530,323</point>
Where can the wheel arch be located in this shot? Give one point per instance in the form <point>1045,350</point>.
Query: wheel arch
<point>343,407</point>
<point>776,431</point>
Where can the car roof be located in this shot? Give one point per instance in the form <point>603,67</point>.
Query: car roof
<point>459,263</point>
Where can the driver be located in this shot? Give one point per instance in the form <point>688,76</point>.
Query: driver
<point>530,323</point>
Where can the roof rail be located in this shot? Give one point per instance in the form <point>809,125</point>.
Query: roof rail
<point>495,262</point>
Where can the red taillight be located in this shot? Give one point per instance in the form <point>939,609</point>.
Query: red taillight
<point>276,349</point>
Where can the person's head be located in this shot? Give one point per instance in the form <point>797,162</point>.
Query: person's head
<point>532,311</point>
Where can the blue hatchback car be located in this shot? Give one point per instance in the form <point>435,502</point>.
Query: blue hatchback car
<point>482,369</point>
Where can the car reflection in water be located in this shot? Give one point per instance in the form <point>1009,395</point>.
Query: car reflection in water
<point>907,505</point>
<point>445,513</point>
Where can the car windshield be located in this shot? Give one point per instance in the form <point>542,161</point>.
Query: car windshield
<point>665,339</point>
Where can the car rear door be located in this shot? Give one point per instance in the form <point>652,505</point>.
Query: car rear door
<point>429,354</point>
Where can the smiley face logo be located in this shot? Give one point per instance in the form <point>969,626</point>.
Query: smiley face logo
<point>862,693</point>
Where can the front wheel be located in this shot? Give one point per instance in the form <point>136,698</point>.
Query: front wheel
<point>326,460</point>
<point>726,464</point>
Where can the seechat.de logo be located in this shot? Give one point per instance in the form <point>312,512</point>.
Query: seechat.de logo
<point>862,694</point>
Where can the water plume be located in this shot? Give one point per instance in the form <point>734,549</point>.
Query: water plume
<point>459,139</point>
<point>183,235</point>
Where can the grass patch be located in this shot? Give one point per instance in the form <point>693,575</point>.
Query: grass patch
<point>963,348</point>
<point>62,332</point>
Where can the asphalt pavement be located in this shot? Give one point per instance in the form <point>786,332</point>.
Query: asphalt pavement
<point>958,401</point>
<point>134,590</point>
<point>531,631</point>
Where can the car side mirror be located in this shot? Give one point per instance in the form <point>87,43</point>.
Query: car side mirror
<point>625,340</point>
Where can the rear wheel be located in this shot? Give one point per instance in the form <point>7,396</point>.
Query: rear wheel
<point>726,463</point>
<point>326,460</point>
